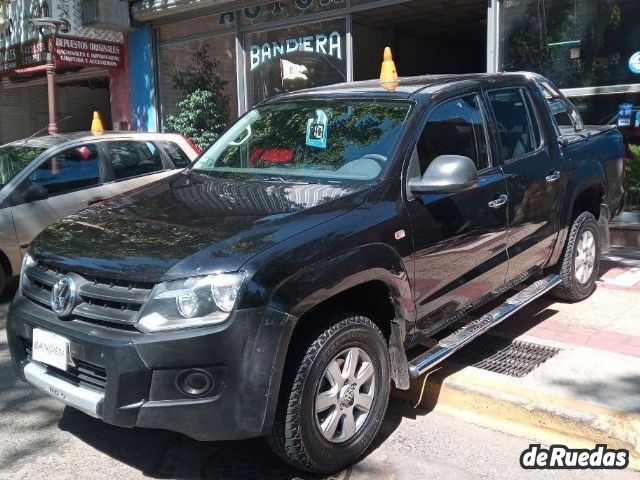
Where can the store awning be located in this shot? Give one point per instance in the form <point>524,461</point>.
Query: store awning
<point>154,10</point>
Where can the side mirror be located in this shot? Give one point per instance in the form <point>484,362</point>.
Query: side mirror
<point>447,174</point>
<point>35,192</point>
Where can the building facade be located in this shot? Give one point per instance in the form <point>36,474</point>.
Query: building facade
<point>90,61</point>
<point>590,48</point>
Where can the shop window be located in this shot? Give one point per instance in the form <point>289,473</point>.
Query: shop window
<point>293,58</point>
<point>575,43</point>
<point>455,128</point>
<point>517,128</point>
<point>131,159</point>
<point>71,170</point>
<point>179,55</point>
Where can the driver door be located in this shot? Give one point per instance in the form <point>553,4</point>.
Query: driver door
<point>70,181</point>
<point>460,239</point>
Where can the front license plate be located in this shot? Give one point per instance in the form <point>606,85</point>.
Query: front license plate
<point>50,348</point>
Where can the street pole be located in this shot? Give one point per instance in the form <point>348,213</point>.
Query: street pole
<point>51,92</point>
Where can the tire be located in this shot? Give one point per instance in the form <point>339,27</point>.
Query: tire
<point>298,436</point>
<point>578,283</point>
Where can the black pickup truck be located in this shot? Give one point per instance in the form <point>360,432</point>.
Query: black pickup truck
<point>274,287</point>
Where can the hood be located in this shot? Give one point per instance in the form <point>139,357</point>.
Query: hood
<point>189,224</point>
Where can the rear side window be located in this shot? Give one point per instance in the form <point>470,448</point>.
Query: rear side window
<point>177,156</point>
<point>518,130</point>
<point>70,170</point>
<point>131,159</point>
<point>455,127</point>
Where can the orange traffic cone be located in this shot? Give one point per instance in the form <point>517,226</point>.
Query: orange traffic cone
<point>388,74</point>
<point>96,124</point>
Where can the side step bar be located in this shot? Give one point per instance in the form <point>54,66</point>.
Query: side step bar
<point>477,327</point>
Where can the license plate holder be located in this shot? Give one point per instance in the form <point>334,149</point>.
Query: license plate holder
<point>51,349</point>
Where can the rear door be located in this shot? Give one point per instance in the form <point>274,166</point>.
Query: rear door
<point>535,182</point>
<point>133,163</point>
<point>72,179</point>
<point>459,238</point>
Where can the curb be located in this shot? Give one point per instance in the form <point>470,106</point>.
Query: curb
<point>480,398</point>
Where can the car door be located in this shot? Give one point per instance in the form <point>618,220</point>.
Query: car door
<point>66,182</point>
<point>459,238</point>
<point>133,163</point>
<point>534,179</point>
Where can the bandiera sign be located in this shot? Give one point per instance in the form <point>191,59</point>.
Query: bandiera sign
<point>321,44</point>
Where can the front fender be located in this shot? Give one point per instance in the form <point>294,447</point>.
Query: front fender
<point>323,280</point>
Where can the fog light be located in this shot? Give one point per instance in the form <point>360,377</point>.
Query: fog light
<point>194,382</point>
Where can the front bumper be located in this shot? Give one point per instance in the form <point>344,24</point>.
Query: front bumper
<point>245,358</point>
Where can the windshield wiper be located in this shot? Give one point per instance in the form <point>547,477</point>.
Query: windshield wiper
<point>282,180</point>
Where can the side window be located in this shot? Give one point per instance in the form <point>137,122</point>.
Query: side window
<point>455,128</point>
<point>70,170</point>
<point>131,159</point>
<point>177,156</point>
<point>560,113</point>
<point>518,130</point>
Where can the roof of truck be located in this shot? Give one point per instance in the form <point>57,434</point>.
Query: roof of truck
<point>408,86</point>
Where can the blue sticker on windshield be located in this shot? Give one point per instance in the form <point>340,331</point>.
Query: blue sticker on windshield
<point>317,129</point>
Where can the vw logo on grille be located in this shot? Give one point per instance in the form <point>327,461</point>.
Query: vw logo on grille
<point>63,296</point>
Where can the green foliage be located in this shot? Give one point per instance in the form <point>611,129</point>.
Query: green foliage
<point>200,119</point>
<point>632,177</point>
<point>204,112</point>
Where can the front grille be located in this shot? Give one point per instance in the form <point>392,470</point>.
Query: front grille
<point>99,299</point>
<point>83,374</point>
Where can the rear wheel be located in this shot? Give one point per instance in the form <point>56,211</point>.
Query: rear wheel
<point>334,398</point>
<point>581,261</point>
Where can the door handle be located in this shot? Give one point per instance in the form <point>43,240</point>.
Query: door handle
<point>96,200</point>
<point>553,176</point>
<point>498,202</point>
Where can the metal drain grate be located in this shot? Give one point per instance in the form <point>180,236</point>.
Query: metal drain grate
<point>502,355</point>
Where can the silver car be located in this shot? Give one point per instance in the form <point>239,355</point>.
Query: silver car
<point>44,179</point>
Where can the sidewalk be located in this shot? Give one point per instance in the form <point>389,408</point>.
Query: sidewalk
<point>588,393</point>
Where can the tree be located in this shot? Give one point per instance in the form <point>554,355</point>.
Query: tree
<point>204,112</point>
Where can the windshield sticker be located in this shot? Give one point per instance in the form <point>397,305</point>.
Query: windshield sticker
<point>317,129</point>
<point>634,63</point>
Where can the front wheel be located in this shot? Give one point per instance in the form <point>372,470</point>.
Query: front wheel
<point>581,261</point>
<point>335,397</point>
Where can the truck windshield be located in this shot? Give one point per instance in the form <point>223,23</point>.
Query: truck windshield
<point>342,141</point>
<point>14,158</point>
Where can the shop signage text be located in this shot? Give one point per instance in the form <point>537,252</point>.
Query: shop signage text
<point>82,52</point>
<point>329,45</point>
<point>24,55</point>
<point>276,9</point>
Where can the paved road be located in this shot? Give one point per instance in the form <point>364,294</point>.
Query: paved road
<point>40,438</point>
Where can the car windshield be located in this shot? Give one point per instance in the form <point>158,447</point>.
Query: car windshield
<point>341,141</point>
<point>14,158</point>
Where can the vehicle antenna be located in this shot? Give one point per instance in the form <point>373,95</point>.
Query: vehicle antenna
<point>43,129</point>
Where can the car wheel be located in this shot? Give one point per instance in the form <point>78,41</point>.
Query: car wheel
<point>581,261</point>
<point>335,397</point>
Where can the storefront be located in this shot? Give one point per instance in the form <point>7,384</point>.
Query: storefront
<point>90,63</point>
<point>261,50</point>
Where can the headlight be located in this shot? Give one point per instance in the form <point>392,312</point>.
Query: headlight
<point>192,302</point>
<point>27,261</point>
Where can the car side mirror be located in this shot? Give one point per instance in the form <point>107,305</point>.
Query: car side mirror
<point>447,174</point>
<point>35,192</point>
